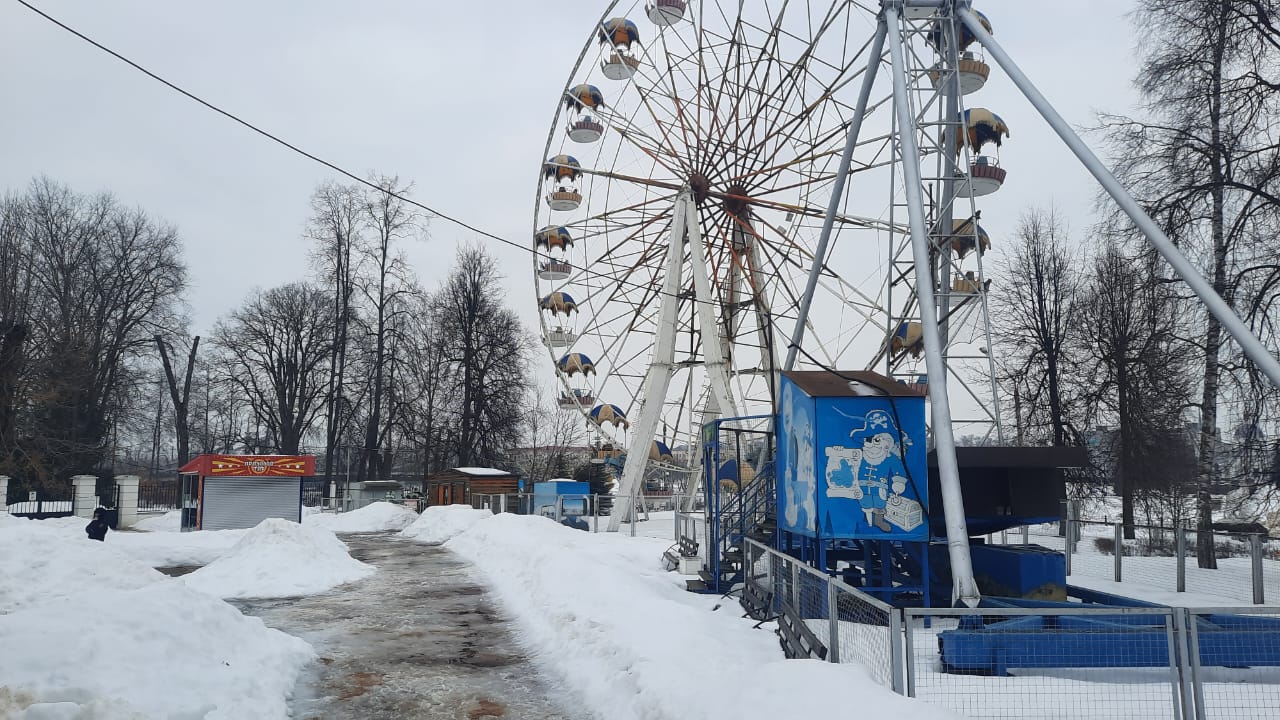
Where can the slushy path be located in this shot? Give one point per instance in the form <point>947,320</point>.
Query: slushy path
<point>420,639</point>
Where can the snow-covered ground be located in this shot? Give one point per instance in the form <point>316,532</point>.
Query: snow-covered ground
<point>90,633</point>
<point>279,558</point>
<point>375,517</point>
<point>601,615</point>
<point>88,630</point>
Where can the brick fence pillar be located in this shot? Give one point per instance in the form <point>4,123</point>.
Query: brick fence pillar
<point>4,492</point>
<point>127,485</point>
<point>85,498</point>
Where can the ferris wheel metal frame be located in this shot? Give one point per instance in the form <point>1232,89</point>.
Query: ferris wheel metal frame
<point>921,254</point>
<point>703,309</point>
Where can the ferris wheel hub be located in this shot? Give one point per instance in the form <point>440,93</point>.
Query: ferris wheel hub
<point>735,201</point>
<point>700,186</point>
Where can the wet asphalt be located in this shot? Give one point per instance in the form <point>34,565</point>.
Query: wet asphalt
<point>419,639</point>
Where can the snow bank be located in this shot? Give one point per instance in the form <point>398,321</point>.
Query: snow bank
<point>71,566</point>
<point>89,632</point>
<point>171,549</point>
<point>168,522</point>
<point>629,642</point>
<point>279,558</point>
<point>441,522</point>
<point>375,517</point>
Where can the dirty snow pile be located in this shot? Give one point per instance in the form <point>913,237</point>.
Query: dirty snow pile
<point>279,558</point>
<point>626,639</point>
<point>88,632</point>
<point>374,517</point>
<point>441,522</point>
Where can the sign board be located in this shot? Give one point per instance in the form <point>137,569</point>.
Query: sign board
<point>252,466</point>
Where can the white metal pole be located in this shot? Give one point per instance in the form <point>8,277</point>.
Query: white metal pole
<point>837,192</point>
<point>1188,272</point>
<point>658,378</point>
<point>949,75</point>
<point>964,588</point>
<point>712,352</point>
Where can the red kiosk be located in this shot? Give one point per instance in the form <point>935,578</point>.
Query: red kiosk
<point>224,492</point>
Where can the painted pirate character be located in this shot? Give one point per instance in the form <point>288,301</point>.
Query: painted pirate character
<point>870,471</point>
<point>799,510</point>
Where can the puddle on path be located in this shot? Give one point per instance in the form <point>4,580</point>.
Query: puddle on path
<point>419,639</point>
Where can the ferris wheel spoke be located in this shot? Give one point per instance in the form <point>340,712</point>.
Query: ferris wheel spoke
<point>655,149</point>
<point>780,90</point>
<point>865,308</point>
<point>735,44</point>
<point>745,108</point>
<point>674,96</point>
<point>608,215</point>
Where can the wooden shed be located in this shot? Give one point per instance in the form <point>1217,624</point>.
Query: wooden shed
<point>458,485</point>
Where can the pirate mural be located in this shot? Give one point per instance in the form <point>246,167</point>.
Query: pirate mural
<point>799,486</point>
<point>851,457</point>
<point>870,471</point>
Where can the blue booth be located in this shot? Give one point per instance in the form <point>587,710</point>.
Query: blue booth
<point>564,501</point>
<point>853,479</point>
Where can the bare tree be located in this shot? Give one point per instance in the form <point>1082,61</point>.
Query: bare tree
<point>179,395</point>
<point>1037,312</point>
<point>15,326</point>
<point>551,434</point>
<point>1130,325</point>
<point>385,284</point>
<point>428,383</point>
<point>103,280</point>
<point>276,350</point>
<point>490,349</point>
<point>337,221</point>
<point>1204,160</point>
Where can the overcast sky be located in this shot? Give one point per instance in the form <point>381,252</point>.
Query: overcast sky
<point>456,97</point>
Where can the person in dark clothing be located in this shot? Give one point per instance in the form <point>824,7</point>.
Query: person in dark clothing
<point>97,529</point>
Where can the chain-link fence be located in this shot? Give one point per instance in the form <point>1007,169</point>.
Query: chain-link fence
<point>1067,663</point>
<point>1047,662</point>
<point>861,629</point>
<point>1234,654</point>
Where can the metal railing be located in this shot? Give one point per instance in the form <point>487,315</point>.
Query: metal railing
<point>1047,662</point>
<point>159,496</point>
<point>578,506</point>
<point>1162,558</point>
<point>687,526</point>
<point>1087,661</point>
<point>861,630</point>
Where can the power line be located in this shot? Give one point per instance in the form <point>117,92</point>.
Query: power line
<point>310,156</point>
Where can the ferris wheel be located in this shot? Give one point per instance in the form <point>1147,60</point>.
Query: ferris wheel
<point>682,209</point>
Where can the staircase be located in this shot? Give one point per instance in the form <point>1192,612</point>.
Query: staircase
<point>751,513</point>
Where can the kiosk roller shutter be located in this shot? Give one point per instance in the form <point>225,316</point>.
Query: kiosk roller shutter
<point>242,502</point>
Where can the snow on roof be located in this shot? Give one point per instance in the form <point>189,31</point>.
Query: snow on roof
<point>481,471</point>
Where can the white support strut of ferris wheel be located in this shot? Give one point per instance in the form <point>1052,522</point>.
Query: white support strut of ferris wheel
<point>720,400</point>
<point>661,364</point>
<point>964,589</point>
